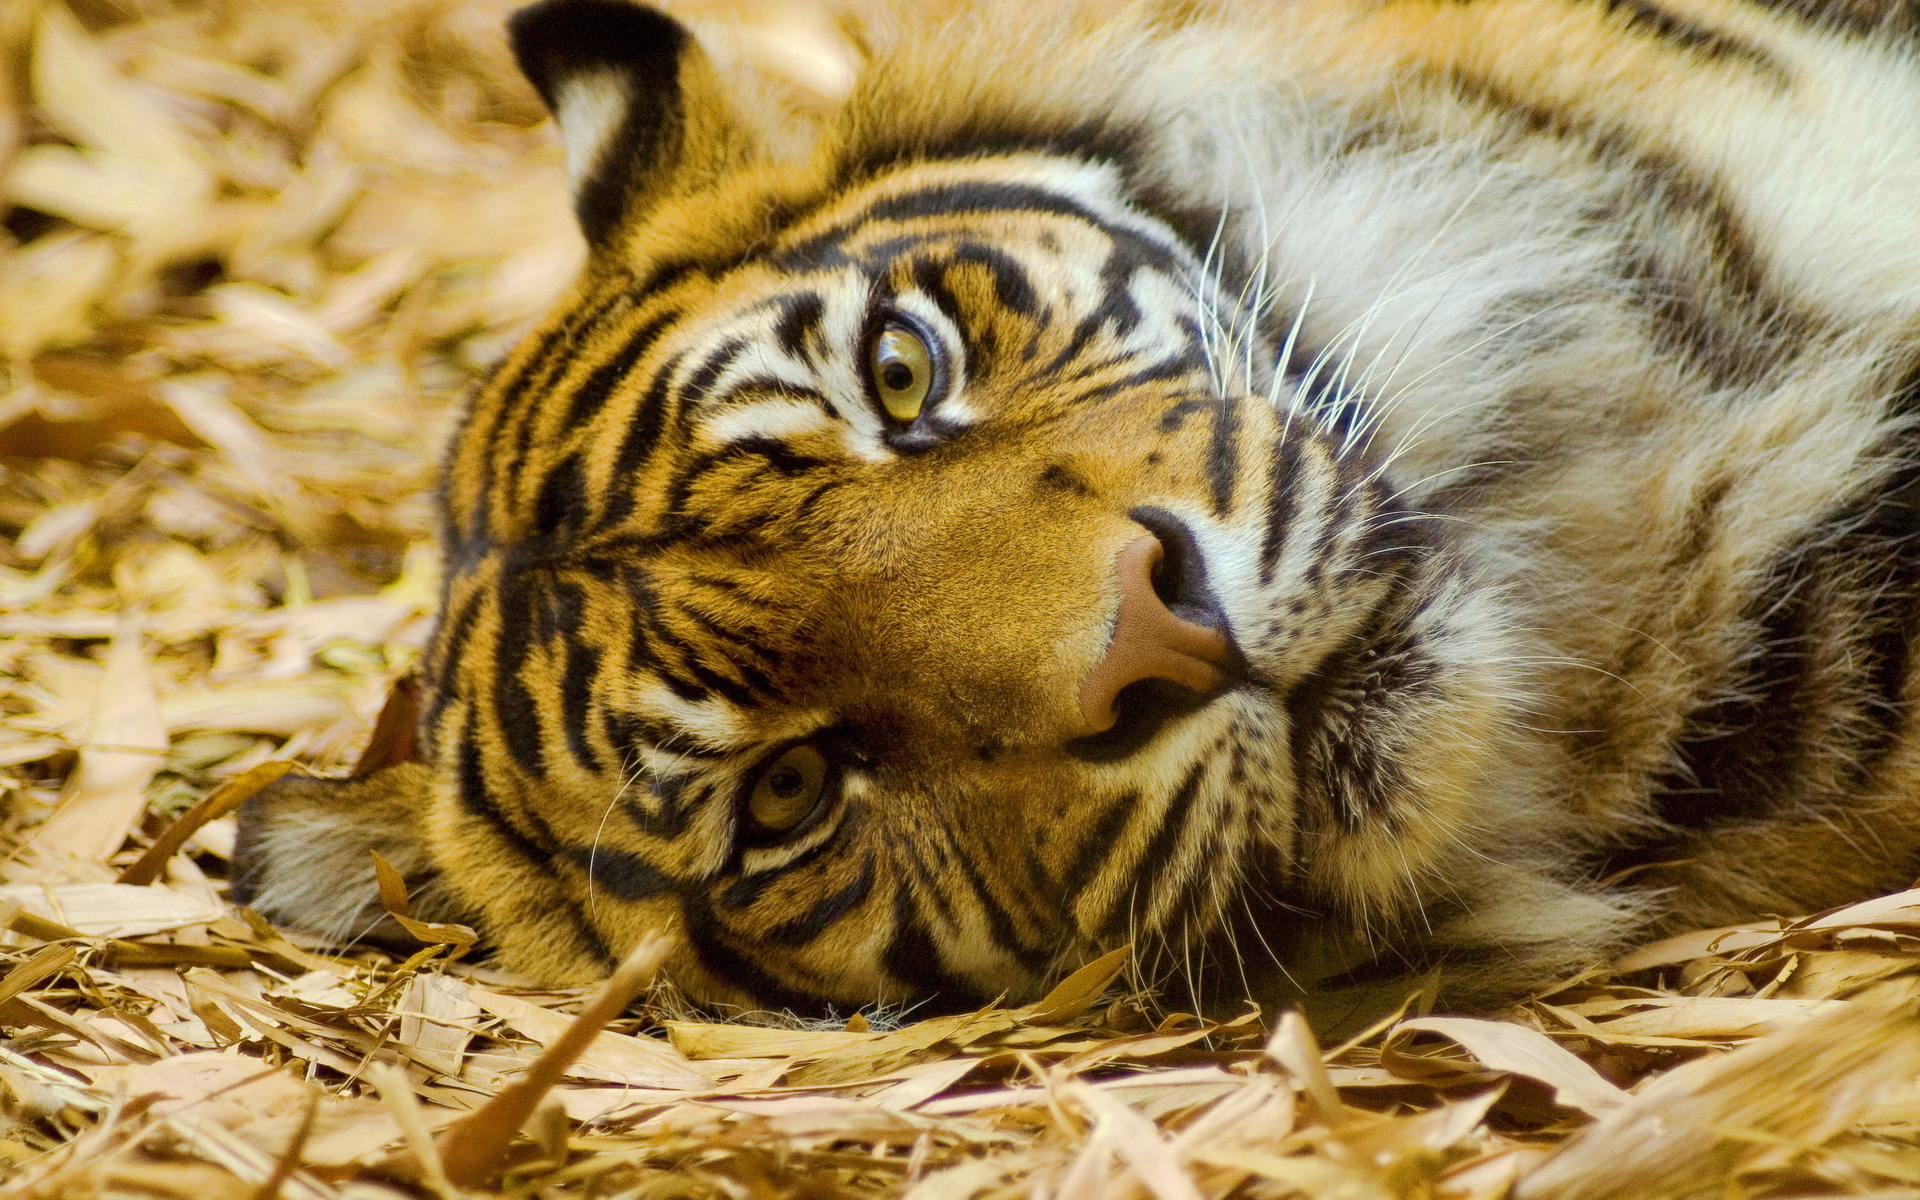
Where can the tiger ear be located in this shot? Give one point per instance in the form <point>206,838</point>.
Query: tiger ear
<point>631,91</point>
<point>304,857</point>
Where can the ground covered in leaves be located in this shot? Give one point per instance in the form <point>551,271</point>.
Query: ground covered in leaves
<point>253,253</point>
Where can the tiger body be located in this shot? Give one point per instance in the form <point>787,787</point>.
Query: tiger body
<point>1525,389</point>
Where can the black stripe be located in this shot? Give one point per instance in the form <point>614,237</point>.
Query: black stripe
<point>1380,681</point>
<point>1339,413</point>
<point>1394,535</point>
<point>557,41</point>
<point>497,402</point>
<point>1337,522</point>
<point>1184,919</point>
<point>701,379</point>
<point>593,391</point>
<point>1223,456</point>
<point>1842,604</point>
<point>1643,16</point>
<point>762,387</point>
<point>1282,488</point>
<point>707,938</point>
<point>929,862</point>
<point>514,406</point>
<point>999,920</point>
<point>1892,19</point>
<point>561,507</point>
<point>799,323</point>
<point>748,889</point>
<point>643,434</point>
<point>476,799</point>
<point>1175,418</point>
<point>983,132</point>
<point>1098,845</point>
<point>672,809</point>
<point>576,701</point>
<point>693,679</point>
<point>746,645</point>
<point>1715,309</point>
<point>930,279</point>
<point>1151,867</point>
<point>1117,308</point>
<point>780,458</point>
<point>1166,370</point>
<point>825,250</point>
<point>621,875</point>
<point>515,713</point>
<point>805,928</point>
<point>1012,289</point>
<point>914,958</point>
<point>448,653</point>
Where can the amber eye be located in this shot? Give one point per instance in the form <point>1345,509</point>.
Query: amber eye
<point>902,371</point>
<point>788,789</point>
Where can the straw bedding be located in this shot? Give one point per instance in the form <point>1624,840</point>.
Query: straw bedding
<point>253,254</point>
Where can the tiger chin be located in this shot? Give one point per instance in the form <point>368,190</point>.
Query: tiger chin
<point>1344,498</point>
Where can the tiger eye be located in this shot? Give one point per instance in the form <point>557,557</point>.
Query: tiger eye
<point>788,789</point>
<point>902,370</point>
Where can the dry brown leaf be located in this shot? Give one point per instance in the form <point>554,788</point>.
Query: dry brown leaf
<point>1154,1162</point>
<point>218,803</point>
<point>1077,992</point>
<point>437,1018</point>
<point>1499,1046</point>
<point>233,1090</point>
<point>1702,943</point>
<point>697,1041</point>
<point>112,910</point>
<point>1709,1017</point>
<point>126,740</point>
<point>474,1146</point>
<point>1293,1047</point>
<point>47,293</point>
<point>1792,1089</point>
<point>1899,910</point>
<point>393,897</point>
<point>639,1062</point>
<point>137,171</point>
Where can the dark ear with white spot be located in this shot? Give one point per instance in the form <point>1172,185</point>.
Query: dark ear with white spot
<point>631,91</point>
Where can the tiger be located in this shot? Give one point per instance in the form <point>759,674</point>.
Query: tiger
<point>1343,497</point>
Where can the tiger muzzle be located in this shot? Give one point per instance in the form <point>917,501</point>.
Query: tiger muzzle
<point>1151,641</point>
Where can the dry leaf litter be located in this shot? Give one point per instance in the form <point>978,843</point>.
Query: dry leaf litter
<point>253,255</point>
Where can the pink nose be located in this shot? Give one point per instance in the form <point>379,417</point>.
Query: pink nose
<point>1149,641</point>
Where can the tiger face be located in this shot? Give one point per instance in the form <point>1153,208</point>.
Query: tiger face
<point>916,609</point>
<point>885,576</point>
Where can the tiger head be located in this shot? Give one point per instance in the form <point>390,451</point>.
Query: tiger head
<point>888,574</point>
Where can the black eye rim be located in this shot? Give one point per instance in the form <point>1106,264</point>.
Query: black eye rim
<point>749,833</point>
<point>923,432</point>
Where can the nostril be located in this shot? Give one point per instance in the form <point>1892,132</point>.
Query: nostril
<point>1180,577</point>
<point>1166,578</point>
<point>1141,710</point>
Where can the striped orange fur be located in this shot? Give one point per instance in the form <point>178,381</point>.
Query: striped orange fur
<point>1523,392</point>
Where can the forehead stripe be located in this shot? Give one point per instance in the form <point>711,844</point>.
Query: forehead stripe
<point>824,248</point>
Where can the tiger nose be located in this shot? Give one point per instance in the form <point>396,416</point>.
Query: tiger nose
<point>1149,641</point>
